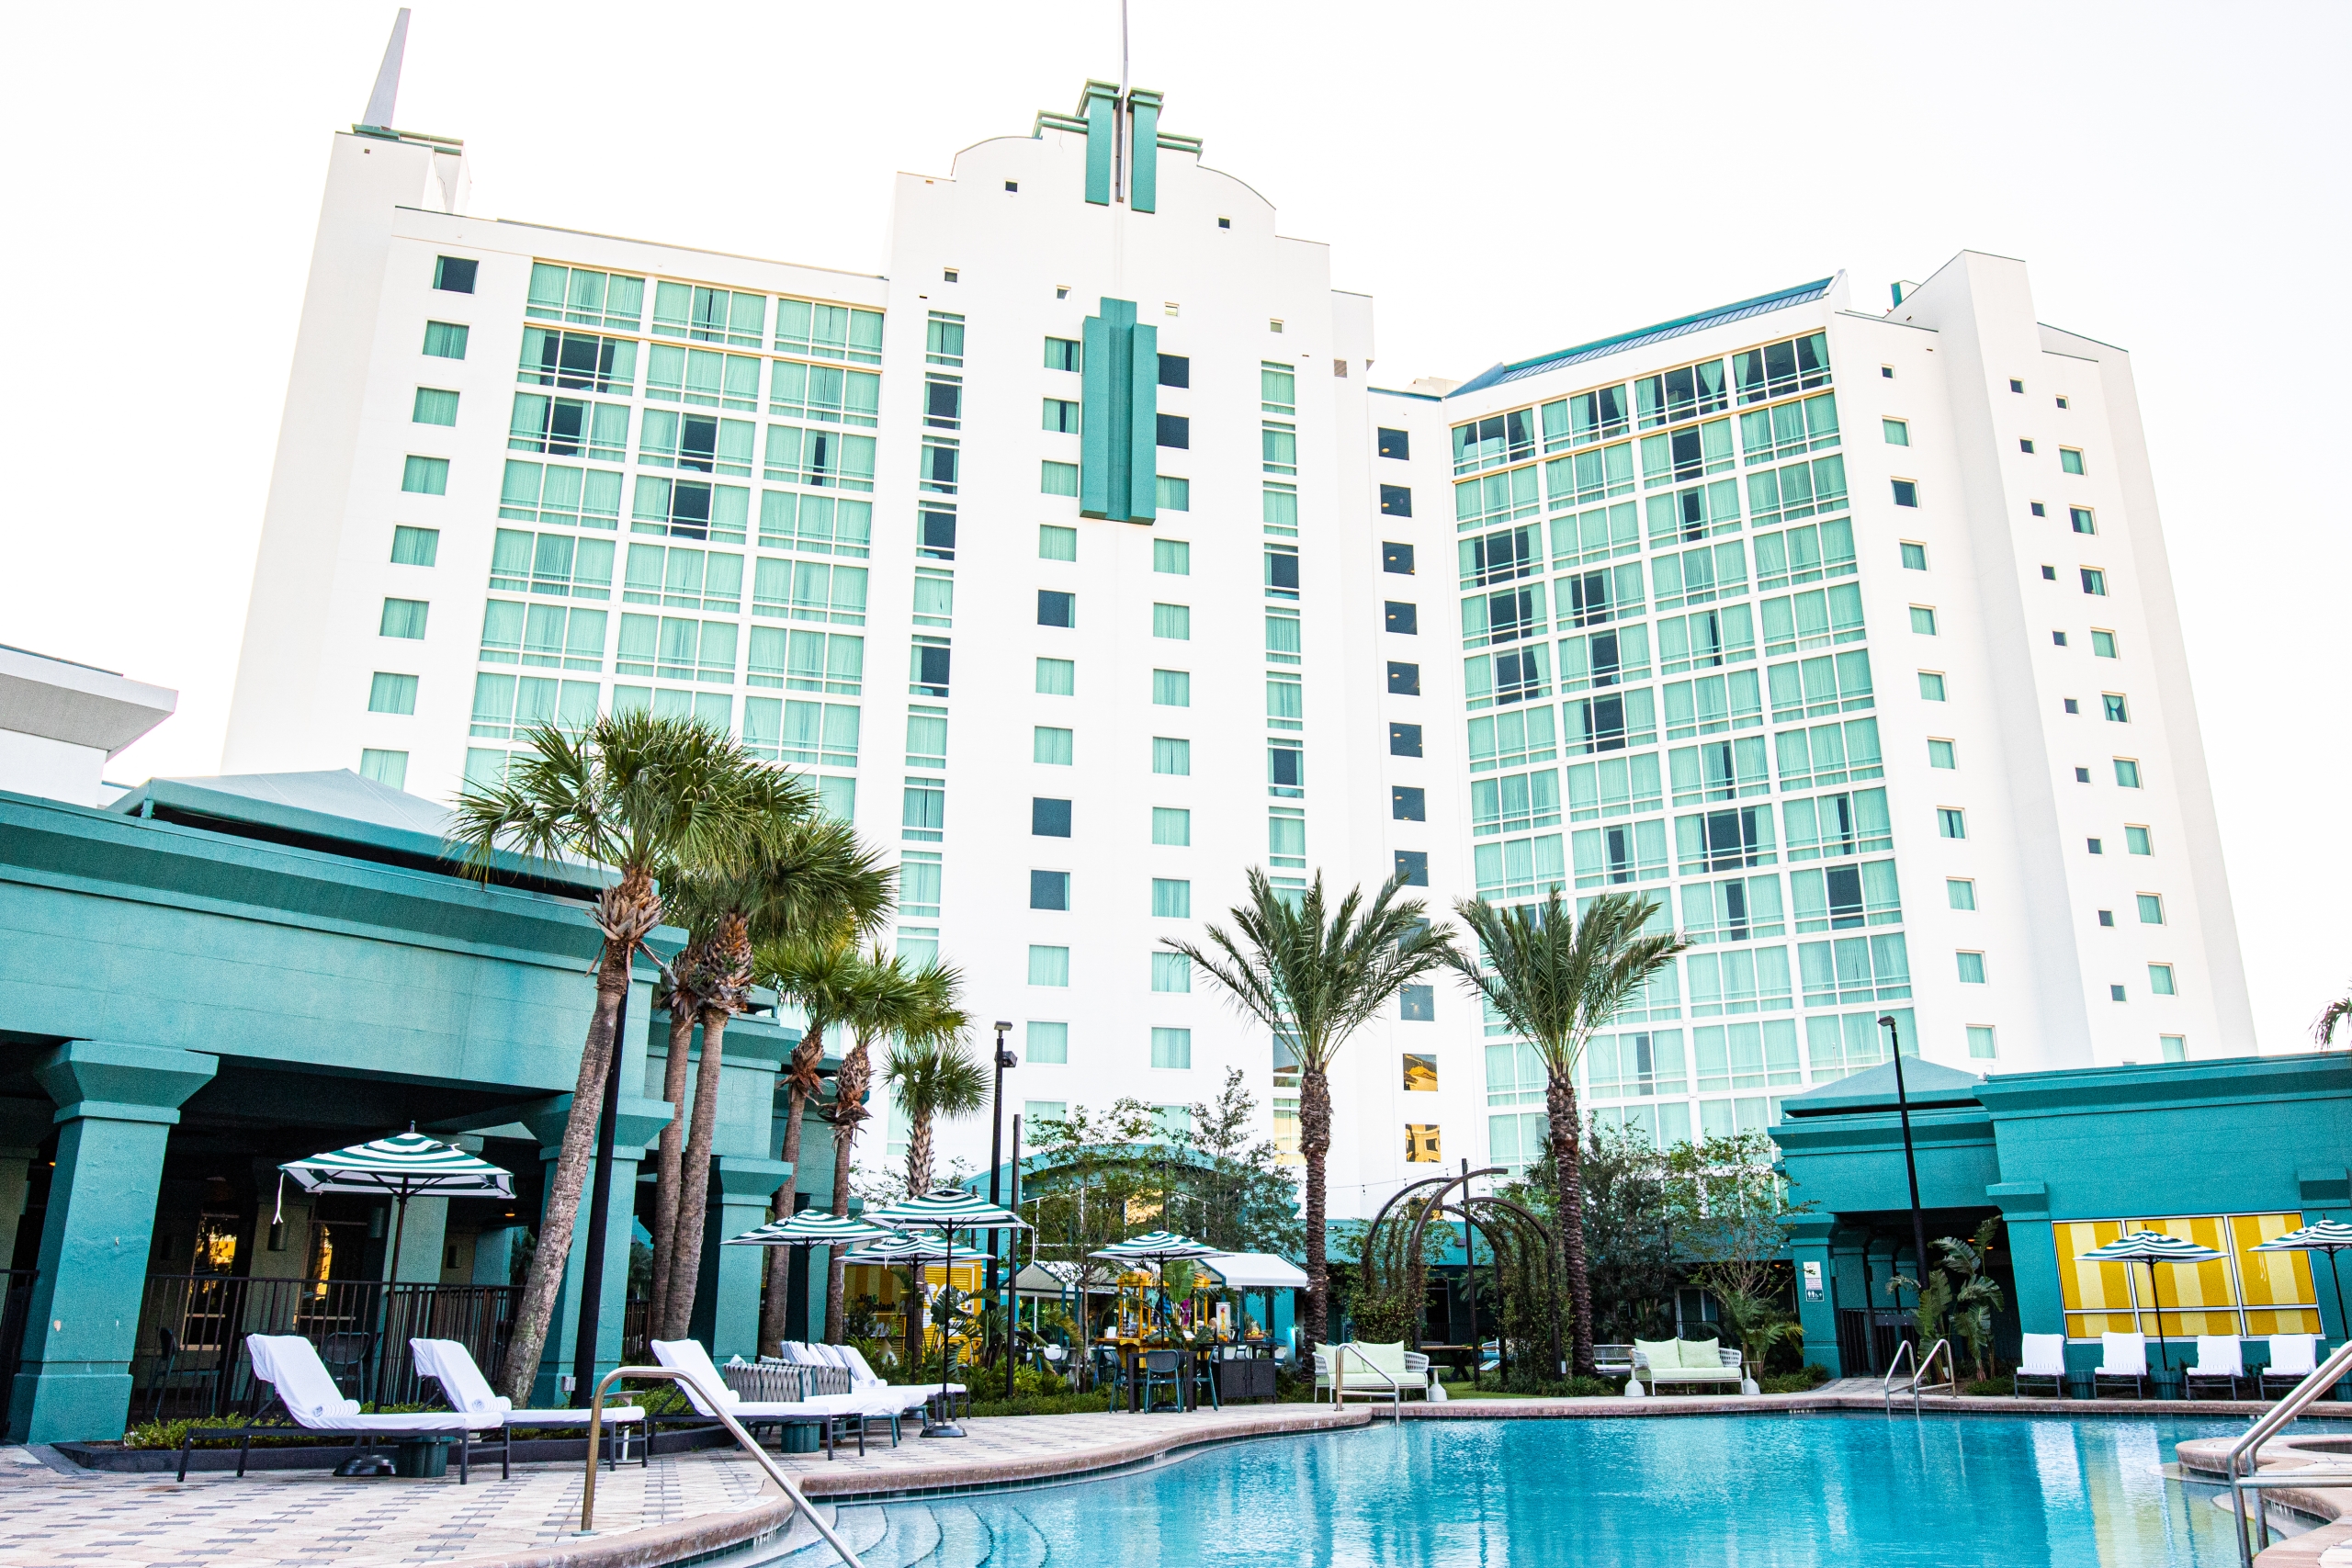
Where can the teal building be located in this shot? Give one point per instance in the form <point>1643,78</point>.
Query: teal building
<point>2226,1152</point>
<point>215,975</point>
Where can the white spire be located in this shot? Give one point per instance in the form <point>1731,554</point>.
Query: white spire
<point>387,76</point>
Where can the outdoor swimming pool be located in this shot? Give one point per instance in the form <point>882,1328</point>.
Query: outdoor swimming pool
<point>1758,1492</point>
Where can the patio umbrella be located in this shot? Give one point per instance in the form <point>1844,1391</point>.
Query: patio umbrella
<point>2153,1248</point>
<point>404,1165</point>
<point>1157,1247</point>
<point>811,1227</point>
<point>947,1211</point>
<point>2330,1236</point>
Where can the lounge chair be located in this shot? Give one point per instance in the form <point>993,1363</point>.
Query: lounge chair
<point>1371,1371</point>
<point>2293,1358</point>
<point>1702,1364</point>
<point>708,1394</point>
<point>864,1380</point>
<point>300,1382</point>
<point>2220,1358</point>
<point>451,1365</point>
<point>2123,1357</point>
<point>2044,1362</point>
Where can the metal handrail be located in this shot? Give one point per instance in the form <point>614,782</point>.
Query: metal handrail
<point>1339,1381</point>
<point>1902,1351</point>
<point>1919,1384</point>
<point>2248,1449</point>
<point>717,1407</point>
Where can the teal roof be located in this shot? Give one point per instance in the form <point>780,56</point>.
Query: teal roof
<point>1642,337</point>
<point>1925,1084</point>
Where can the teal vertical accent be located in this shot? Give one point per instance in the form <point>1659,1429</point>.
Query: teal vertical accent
<point>1106,453</point>
<point>726,1315</point>
<point>117,1107</point>
<point>1101,131</point>
<point>1143,181</point>
<point>1143,425</point>
<point>1809,1241</point>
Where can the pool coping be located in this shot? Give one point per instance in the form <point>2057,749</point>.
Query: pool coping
<point>2207,1460</point>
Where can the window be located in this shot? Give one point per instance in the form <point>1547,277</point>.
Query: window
<point>2175,1047</point>
<point>1922,619</point>
<point>1056,677</point>
<point>2160,979</point>
<point>1408,803</point>
<point>2073,706</point>
<point>403,617</point>
<point>926,735</point>
<point>1171,971</point>
<point>1413,866</point>
<point>929,660</point>
<point>1048,1044</point>
<point>1171,1047</point>
<point>2107,918</point>
<point>1421,1068</point>
<point>2058,640</point>
<point>1049,890</point>
<point>1056,608</point>
<point>1932,685</point>
<point>1418,1004</point>
<point>2049,574</point>
<point>1285,768</point>
<point>434,406</point>
<point>2070,459</point>
<point>1171,756</point>
<point>1915,556</point>
<point>1058,478</point>
<point>1395,500</point>
<point>943,338</point>
<point>2115,709</point>
<point>1404,680</point>
<point>1285,701</point>
<point>2115,993</point>
<point>387,768</point>
<point>1282,636</point>
<point>1171,825</point>
<point>1048,819</point>
<point>1397,558</point>
<point>1397,444</point>
<point>1057,543</point>
<point>1171,899</point>
<point>1403,619</point>
<point>1286,837</point>
<point>2094,582</point>
<point>454,275</point>
<point>416,547</point>
<point>1049,965</point>
<point>2082,775</point>
<point>1175,370</point>
<point>1907,492</point>
<point>2026,446</point>
<point>1278,447</point>
<point>1173,557</point>
<point>2152,908</point>
<point>2094,846</point>
<point>444,340</point>
<point>1052,747</point>
<point>1424,1144</point>
<point>1951,822</point>
<point>2102,645</point>
<point>1899,432</point>
<point>391,694</point>
<point>1960,891</point>
<point>1175,430</point>
<point>1282,571</point>
<point>426,475</point>
<point>1061,354</point>
<point>1171,688</point>
<point>1172,621</point>
<point>1404,740</point>
<point>1971,968</point>
<point>1980,1042</point>
<point>2037,509</point>
<point>1887,370</point>
<point>1940,754</point>
<point>2082,520</point>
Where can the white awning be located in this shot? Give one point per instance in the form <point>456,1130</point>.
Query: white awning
<point>1055,1279</point>
<point>1255,1272</point>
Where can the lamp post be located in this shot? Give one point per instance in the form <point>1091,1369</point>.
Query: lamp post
<point>1011,1307</point>
<point>1910,1160</point>
<point>1004,1058</point>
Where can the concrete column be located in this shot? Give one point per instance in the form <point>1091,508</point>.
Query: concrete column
<point>2033,1258</point>
<point>1809,1249</point>
<point>23,1125</point>
<point>639,1122</point>
<point>420,1240</point>
<point>727,1289</point>
<point>117,1105</point>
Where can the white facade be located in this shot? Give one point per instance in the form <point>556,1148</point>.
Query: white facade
<point>1009,257</point>
<point>61,723</point>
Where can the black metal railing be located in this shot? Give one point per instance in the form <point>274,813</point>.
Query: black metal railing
<point>1868,1337</point>
<point>16,1311</point>
<point>191,1359</point>
<point>637,1323</point>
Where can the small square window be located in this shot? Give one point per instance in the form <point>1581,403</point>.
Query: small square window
<point>1171,899</point>
<point>1397,444</point>
<point>1055,542</point>
<point>1971,968</point>
<point>2049,574</point>
<point>2115,993</point>
<point>2102,644</point>
<point>2106,920</point>
<point>1049,890</point>
<point>2070,459</point>
<point>1907,492</point>
<point>1898,431</point>
<point>1013,185</point>
<point>387,768</point>
<point>1274,324</point>
<point>1413,866</point>
<point>2152,908</point>
<point>2160,979</point>
<point>2062,403</point>
<point>1915,556</point>
<point>391,694</point>
<point>2176,1046</point>
<point>1980,1042</point>
<point>2095,846</point>
<point>416,547</point>
<point>2058,640</point>
<point>1403,619</point>
<point>1951,822</point>
<point>1175,370</point>
<point>1960,891</point>
<point>1048,819</point>
<point>1062,290</point>
<point>1932,685</point>
<point>1404,740</point>
<point>1922,619</point>
<point>2127,772</point>
<point>1395,500</point>
<point>454,275</point>
<point>2115,709</point>
<point>1056,608</point>
<point>1175,430</point>
<point>2015,385</point>
<point>1404,680</point>
<point>1418,1004</point>
<point>1171,825</point>
<point>1057,677</point>
<point>1397,558</point>
<point>1225,223</point>
<point>1408,803</point>
<point>2137,841</point>
<point>444,340</point>
<point>2038,509</point>
<point>2072,705</point>
<point>1940,754</point>
<point>1887,371</point>
<point>2024,445</point>
<point>1170,307</point>
<point>2094,582</point>
<point>2082,519</point>
<point>947,275</point>
<point>2082,775</point>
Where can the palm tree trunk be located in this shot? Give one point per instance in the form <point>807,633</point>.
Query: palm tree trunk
<point>693,1183</point>
<point>849,1109</point>
<point>775,1305</point>
<point>918,1153</point>
<point>1313,1144</point>
<point>666,1153</point>
<point>625,912</point>
<point>1567,1162</point>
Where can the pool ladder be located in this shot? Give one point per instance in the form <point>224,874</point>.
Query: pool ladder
<point>1918,1384</point>
<point>2244,1457</point>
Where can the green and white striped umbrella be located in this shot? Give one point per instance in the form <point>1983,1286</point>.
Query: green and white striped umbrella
<point>2330,1236</point>
<point>2153,1248</point>
<point>813,1228</point>
<point>406,1165</point>
<point>1155,1246</point>
<point>905,1249</point>
<point>949,1209</point>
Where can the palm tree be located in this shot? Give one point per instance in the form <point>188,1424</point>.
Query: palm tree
<point>1555,980</point>
<point>2323,1027</point>
<point>634,792</point>
<point>1313,979</point>
<point>932,1073</point>
<point>893,998</point>
<point>808,871</point>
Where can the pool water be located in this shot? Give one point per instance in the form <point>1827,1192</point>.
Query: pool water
<point>1758,1492</point>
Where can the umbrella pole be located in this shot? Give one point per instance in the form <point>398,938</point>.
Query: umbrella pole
<point>943,1427</point>
<point>2164,1355</point>
<point>2338,1280</point>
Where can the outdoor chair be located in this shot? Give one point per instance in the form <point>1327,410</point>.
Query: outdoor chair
<point>298,1380</point>
<point>1162,1368</point>
<point>166,1367</point>
<point>2293,1358</point>
<point>2220,1358</point>
<point>708,1394</point>
<point>1613,1361</point>
<point>1702,1364</point>
<point>1110,1373</point>
<point>1371,1371</point>
<point>1204,1381</point>
<point>451,1364</point>
<point>863,1379</point>
<point>2044,1361</point>
<point>346,1355</point>
<point>840,1368</point>
<point>2123,1357</point>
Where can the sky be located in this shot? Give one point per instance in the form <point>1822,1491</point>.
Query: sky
<point>1503,179</point>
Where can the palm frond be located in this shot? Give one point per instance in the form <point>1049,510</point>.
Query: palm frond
<point>1556,980</point>
<point>936,1075</point>
<point>2323,1027</point>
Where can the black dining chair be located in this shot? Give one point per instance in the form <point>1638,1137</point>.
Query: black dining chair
<point>346,1355</point>
<point>1204,1378</point>
<point>1162,1368</point>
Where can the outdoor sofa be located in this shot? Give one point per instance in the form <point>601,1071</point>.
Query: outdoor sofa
<point>1702,1364</point>
<point>1371,1371</point>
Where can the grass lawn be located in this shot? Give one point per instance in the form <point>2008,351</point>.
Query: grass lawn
<point>1463,1390</point>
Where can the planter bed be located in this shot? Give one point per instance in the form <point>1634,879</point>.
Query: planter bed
<point>115,1458</point>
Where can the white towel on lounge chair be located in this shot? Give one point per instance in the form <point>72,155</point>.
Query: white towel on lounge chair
<point>290,1364</point>
<point>865,1376</point>
<point>708,1392</point>
<point>2123,1355</point>
<point>451,1365</point>
<point>2219,1356</point>
<point>2045,1355</point>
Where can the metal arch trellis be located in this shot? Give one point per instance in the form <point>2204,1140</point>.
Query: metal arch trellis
<point>1525,1249</point>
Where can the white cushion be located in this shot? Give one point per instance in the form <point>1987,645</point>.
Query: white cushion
<point>2294,1355</point>
<point>2045,1355</point>
<point>2219,1355</point>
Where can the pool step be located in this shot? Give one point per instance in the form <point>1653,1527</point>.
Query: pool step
<point>942,1534</point>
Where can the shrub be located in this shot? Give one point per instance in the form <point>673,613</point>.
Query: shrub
<point>1811,1377</point>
